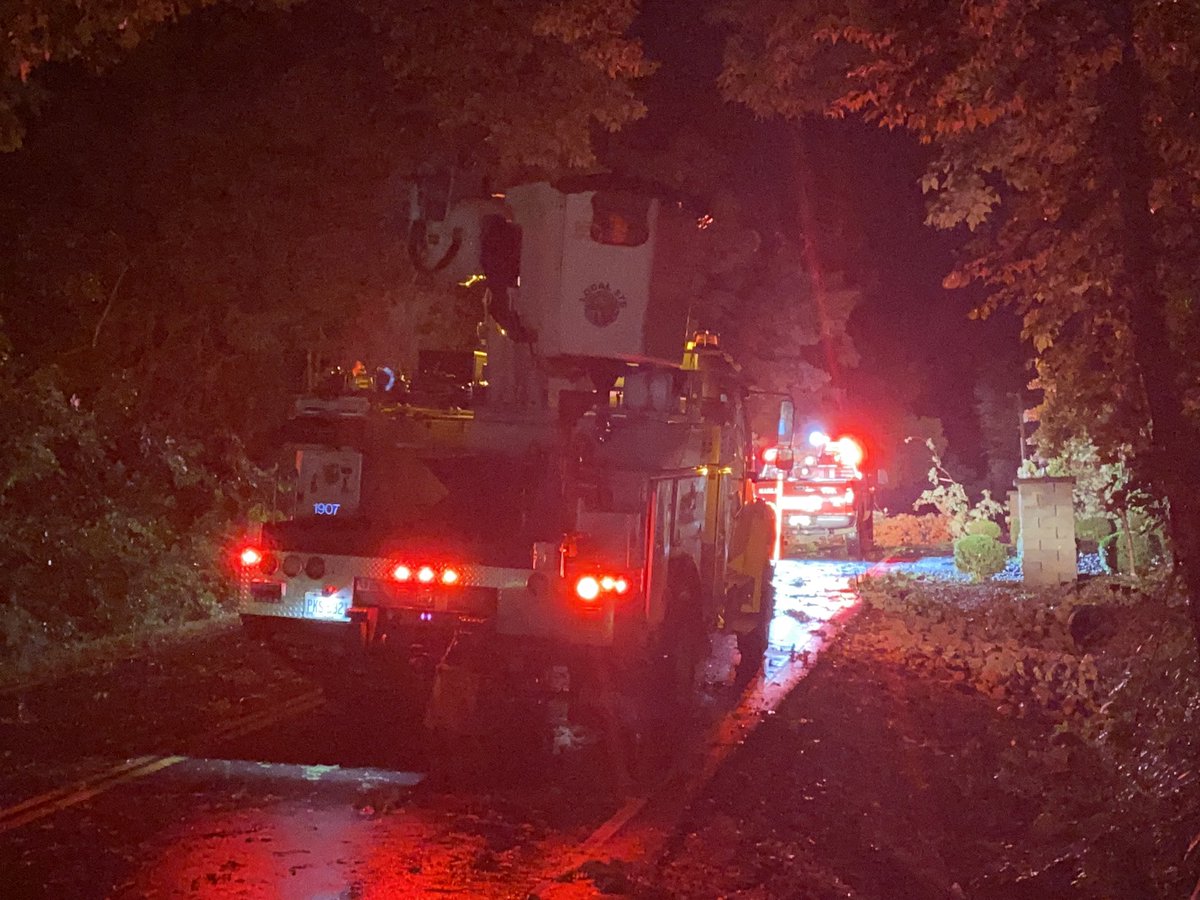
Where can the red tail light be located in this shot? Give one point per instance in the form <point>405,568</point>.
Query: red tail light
<point>587,588</point>
<point>447,576</point>
<point>251,556</point>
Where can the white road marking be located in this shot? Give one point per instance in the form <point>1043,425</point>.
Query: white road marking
<point>58,799</point>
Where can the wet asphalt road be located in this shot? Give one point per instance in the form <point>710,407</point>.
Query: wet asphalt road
<point>327,803</point>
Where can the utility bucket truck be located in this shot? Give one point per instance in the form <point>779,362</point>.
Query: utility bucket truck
<point>822,497</point>
<point>578,511</point>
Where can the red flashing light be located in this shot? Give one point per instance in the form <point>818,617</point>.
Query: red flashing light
<point>588,588</point>
<point>251,556</point>
<point>849,450</point>
<point>425,574</point>
<point>450,576</point>
<point>770,455</point>
<point>402,573</point>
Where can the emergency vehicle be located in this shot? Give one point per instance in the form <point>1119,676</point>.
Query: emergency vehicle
<point>579,508</point>
<point>822,498</point>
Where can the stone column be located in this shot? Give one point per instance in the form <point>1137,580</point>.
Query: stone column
<point>1047,518</point>
<point>1014,519</point>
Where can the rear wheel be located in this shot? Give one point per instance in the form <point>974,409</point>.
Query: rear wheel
<point>683,641</point>
<point>667,684</point>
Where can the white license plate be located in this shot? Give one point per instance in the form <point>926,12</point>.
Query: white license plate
<point>320,605</point>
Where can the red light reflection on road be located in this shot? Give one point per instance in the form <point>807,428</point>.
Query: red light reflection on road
<point>308,835</point>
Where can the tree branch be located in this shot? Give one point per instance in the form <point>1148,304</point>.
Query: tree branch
<point>112,295</point>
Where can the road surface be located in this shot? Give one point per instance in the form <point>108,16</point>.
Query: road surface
<point>209,770</point>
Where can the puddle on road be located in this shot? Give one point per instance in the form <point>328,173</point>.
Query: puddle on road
<point>808,593</point>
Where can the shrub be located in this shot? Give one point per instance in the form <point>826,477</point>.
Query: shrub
<point>108,525</point>
<point>979,555</point>
<point>1091,530</point>
<point>1149,548</point>
<point>906,530</point>
<point>985,527</point>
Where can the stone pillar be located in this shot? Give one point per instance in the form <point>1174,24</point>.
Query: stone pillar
<point>1047,518</point>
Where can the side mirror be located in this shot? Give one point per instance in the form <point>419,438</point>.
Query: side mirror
<point>787,422</point>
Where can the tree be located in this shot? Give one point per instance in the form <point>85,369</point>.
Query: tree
<point>1068,150</point>
<point>95,33</point>
<point>773,276</point>
<point>1000,407</point>
<point>226,200</point>
<point>519,85</point>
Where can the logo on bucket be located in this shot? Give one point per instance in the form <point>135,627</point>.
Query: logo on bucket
<point>602,304</point>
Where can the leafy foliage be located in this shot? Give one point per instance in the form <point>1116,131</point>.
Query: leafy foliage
<point>1143,541</point>
<point>949,498</point>
<point>96,33</point>
<point>107,525</point>
<point>1091,530</point>
<point>904,530</point>
<point>1068,154</point>
<point>980,555</point>
<point>1110,709</point>
<point>985,527</point>
<point>519,85</point>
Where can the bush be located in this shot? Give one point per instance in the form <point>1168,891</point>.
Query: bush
<point>980,556</point>
<point>985,527</point>
<point>108,525</point>
<point>906,530</point>
<point>1149,549</point>
<point>1091,530</point>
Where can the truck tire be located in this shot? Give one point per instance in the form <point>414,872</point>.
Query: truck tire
<point>684,642</point>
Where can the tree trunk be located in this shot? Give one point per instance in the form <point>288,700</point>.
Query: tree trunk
<point>1127,529</point>
<point>1174,458</point>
